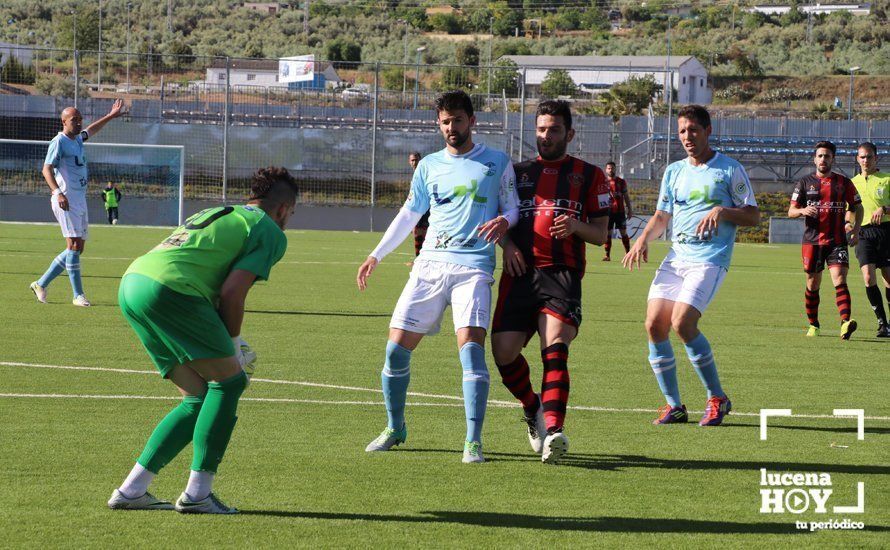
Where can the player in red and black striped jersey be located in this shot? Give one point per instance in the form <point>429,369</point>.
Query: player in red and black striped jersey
<point>563,205</point>
<point>832,213</point>
<point>620,210</point>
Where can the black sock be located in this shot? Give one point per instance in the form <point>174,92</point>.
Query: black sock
<point>877,305</point>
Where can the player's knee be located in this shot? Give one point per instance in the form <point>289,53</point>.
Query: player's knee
<point>503,355</point>
<point>685,328</point>
<point>656,329</point>
<point>472,359</point>
<point>398,360</point>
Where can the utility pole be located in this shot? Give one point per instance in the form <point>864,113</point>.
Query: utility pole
<point>99,66</point>
<point>490,40</point>
<point>170,16</point>
<point>306,18</point>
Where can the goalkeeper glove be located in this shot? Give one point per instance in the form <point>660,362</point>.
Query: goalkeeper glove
<point>245,355</point>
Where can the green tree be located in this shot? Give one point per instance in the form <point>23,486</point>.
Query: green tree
<point>446,22</point>
<point>14,72</point>
<point>341,49</point>
<point>504,78</point>
<point>454,78</point>
<point>505,23</point>
<point>557,83</point>
<point>467,54</point>
<point>392,77</point>
<point>636,93</point>
<point>86,22</point>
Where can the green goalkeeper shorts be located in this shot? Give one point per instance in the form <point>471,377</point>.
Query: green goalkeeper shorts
<point>175,328</point>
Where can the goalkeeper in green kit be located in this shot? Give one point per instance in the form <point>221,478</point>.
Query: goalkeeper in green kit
<point>185,301</point>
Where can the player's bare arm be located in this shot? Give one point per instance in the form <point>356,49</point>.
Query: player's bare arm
<point>639,252</point>
<point>231,299</point>
<point>116,110</point>
<point>878,214</point>
<point>364,272</point>
<point>593,232</point>
<point>745,216</point>
<point>629,207</point>
<point>50,178</point>
<point>853,224</point>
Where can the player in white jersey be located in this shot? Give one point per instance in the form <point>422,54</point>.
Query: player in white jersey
<point>470,193</point>
<point>65,171</point>
<point>707,196</point>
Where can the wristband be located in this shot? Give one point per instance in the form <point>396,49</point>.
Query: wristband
<point>57,191</point>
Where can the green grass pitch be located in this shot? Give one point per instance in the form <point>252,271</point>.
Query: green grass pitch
<point>297,467</point>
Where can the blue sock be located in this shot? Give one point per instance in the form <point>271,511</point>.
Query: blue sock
<point>699,351</point>
<point>72,264</point>
<point>55,269</point>
<point>395,377</point>
<point>661,358</point>
<point>476,383</point>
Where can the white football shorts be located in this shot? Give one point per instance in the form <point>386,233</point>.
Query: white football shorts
<point>693,283</point>
<point>74,221</point>
<point>434,285</point>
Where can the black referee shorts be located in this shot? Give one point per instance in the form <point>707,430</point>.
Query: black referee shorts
<point>874,245</point>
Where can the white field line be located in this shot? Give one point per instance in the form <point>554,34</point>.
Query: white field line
<point>494,402</point>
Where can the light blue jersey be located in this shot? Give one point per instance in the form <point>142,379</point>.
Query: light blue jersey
<point>69,165</point>
<point>689,192</point>
<point>462,193</point>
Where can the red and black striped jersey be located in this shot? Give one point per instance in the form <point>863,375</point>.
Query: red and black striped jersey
<point>832,196</point>
<point>548,189</point>
<point>617,189</point>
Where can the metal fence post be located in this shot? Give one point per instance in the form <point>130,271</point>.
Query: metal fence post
<point>374,142</point>
<point>670,117</point>
<point>76,78</point>
<point>522,114</point>
<point>226,110</point>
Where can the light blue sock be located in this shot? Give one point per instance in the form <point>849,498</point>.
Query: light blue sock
<point>395,377</point>
<point>661,358</point>
<point>72,264</point>
<point>476,384</point>
<point>699,351</point>
<point>55,269</point>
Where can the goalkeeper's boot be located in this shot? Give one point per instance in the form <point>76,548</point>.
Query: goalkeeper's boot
<point>388,439</point>
<point>883,330</point>
<point>81,301</point>
<point>537,428</point>
<point>209,505</point>
<point>716,409</point>
<point>847,329</point>
<point>672,415</point>
<point>473,453</point>
<point>39,291</point>
<point>146,502</point>
<point>813,331</point>
<point>555,445</point>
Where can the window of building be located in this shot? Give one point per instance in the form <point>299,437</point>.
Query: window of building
<point>251,77</point>
<point>684,80</point>
<point>221,76</point>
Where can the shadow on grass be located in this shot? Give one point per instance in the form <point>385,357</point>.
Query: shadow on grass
<point>63,276</point>
<point>523,521</point>
<point>319,313</point>
<point>623,462</point>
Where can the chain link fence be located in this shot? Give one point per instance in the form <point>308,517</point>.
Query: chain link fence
<point>346,134</point>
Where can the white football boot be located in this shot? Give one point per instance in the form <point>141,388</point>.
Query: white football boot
<point>473,453</point>
<point>209,505</point>
<point>39,291</point>
<point>81,300</point>
<point>146,502</point>
<point>555,445</point>
<point>537,429</point>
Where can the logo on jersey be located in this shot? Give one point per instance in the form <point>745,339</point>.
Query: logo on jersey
<point>551,171</point>
<point>443,240</point>
<point>524,181</point>
<point>703,195</point>
<point>576,179</point>
<point>461,191</point>
<point>879,193</point>
<point>77,161</point>
<point>490,168</point>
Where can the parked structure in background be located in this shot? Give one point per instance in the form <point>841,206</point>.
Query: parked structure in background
<point>595,73</point>
<point>264,72</point>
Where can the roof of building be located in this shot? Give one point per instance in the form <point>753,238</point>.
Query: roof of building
<point>597,61</point>
<point>270,65</point>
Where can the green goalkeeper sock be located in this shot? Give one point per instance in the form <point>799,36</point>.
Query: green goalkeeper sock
<point>171,435</point>
<point>216,422</point>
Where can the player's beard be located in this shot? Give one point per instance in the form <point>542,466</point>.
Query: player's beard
<point>457,139</point>
<point>557,150</point>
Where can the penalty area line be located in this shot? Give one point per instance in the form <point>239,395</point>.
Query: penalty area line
<point>493,402</point>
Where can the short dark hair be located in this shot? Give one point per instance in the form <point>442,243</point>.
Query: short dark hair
<point>825,145</point>
<point>415,154</point>
<point>868,145</point>
<point>696,113</point>
<point>556,107</point>
<point>610,163</point>
<point>455,100</point>
<point>274,185</point>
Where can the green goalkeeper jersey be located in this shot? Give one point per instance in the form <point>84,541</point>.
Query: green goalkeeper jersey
<point>198,256</point>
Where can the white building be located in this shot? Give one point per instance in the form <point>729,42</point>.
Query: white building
<point>595,72</point>
<point>815,9</point>
<point>263,72</point>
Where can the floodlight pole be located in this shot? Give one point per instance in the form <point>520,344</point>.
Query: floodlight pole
<point>850,101</point>
<point>129,5</point>
<point>490,41</point>
<point>417,74</point>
